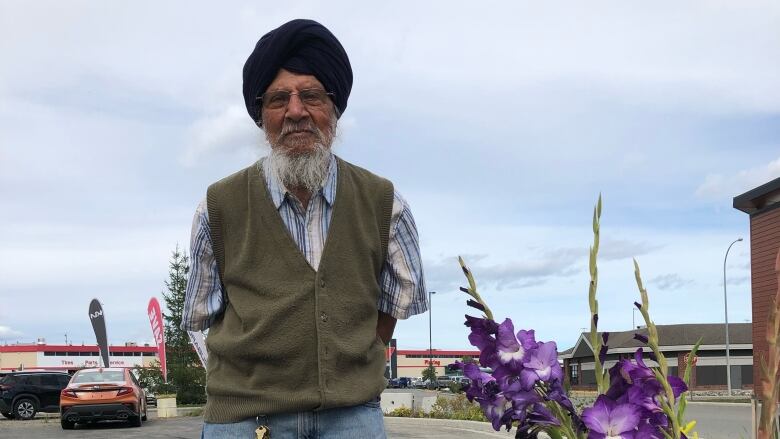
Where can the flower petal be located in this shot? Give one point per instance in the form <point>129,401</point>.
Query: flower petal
<point>623,418</point>
<point>596,418</point>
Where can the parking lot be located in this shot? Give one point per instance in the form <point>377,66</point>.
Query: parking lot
<point>188,427</point>
<point>45,428</point>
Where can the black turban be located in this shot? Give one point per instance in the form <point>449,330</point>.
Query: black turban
<point>300,46</point>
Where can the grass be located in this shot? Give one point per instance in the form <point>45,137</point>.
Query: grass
<point>458,408</point>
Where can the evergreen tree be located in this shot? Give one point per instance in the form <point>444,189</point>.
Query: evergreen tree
<point>186,375</point>
<point>429,373</point>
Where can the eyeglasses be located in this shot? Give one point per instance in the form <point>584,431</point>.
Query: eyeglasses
<point>310,97</point>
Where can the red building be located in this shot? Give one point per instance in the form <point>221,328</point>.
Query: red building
<point>763,206</point>
<point>70,358</point>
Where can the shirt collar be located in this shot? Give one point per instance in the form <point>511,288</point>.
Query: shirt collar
<point>279,192</point>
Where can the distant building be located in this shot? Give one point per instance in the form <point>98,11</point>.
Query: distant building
<point>411,363</point>
<point>676,342</point>
<point>70,358</point>
<point>763,206</point>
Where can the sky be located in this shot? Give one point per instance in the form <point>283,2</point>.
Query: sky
<point>499,122</point>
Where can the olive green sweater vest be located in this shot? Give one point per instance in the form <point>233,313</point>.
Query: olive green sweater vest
<point>294,339</point>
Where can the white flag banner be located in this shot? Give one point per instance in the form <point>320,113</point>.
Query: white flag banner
<point>199,342</point>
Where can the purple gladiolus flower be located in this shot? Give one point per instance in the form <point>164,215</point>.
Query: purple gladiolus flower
<point>494,409</point>
<point>482,386</point>
<point>478,378</point>
<point>482,336</point>
<point>678,385</point>
<point>639,307</point>
<point>475,304</point>
<point>541,415</point>
<point>603,353</point>
<point>527,338</point>
<point>542,362</point>
<point>624,374</point>
<point>510,351</point>
<point>607,419</point>
<point>643,397</point>
<point>558,394</point>
<point>486,325</point>
<point>641,338</point>
<point>521,399</point>
<point>649,431</point>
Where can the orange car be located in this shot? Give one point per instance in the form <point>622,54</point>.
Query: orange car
<point>99,394</point>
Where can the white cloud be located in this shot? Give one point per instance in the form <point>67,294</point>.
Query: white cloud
<point>615,249</point>
<point>719,186</point>
<point>228,131</point>
<point>7,333</point>
<point>538,268</point>
<point>671,281</point>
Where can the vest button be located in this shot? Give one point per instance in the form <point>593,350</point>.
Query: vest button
<point>323,316</point>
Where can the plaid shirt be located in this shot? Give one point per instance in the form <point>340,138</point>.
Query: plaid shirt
<point>403,287</point>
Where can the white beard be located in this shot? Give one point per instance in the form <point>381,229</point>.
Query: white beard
<point>305,171</point>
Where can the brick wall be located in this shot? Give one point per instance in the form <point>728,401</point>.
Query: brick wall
<point>764,244</point>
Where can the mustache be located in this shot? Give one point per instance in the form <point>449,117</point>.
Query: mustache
<point>300,126</point>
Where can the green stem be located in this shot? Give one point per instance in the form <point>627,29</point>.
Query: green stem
<point>595,339</point>
<point>667,401</point>
<point>472,289</point>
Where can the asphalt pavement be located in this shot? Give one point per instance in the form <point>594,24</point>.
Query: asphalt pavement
<point>715,421</point>
<point>189,428</point>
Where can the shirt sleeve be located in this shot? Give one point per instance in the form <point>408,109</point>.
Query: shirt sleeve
<point>403,286</point>
<point>204,300</point>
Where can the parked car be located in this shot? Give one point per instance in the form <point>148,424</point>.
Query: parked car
<point>430,385</point>
<point>23,394</point>
<point>399,383</point>
<point>151,398</point>
<point>444,380</point>
<point>99,394</point>
<point>463,381</point>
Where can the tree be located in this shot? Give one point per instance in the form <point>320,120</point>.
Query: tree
<point>429,373</point>
<point>150,377</point>
<point>185,372</point>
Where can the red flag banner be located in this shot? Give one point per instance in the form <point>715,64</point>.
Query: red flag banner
<point>155,318</point>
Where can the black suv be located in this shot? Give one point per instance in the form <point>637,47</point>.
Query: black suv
<point>23,394</point>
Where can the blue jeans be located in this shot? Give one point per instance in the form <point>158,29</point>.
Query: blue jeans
<point>364,421</point>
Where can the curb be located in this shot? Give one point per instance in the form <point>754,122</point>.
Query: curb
<point>475,426</point>
<point>722,404</point>
<point>180,412</point>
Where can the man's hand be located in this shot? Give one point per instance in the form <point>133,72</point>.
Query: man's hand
<point>385,325</point>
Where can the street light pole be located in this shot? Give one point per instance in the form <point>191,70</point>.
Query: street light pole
<point>726,311</point>
<point>430,329</point>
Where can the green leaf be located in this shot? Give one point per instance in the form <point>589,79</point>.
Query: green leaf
<point>554,433</point>
<point>689,363</point>
<point>681,406</point>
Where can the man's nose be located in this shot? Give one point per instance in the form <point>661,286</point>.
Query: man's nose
<point>295,108</point>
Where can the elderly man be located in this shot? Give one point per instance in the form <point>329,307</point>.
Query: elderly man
<point>302,262</point>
